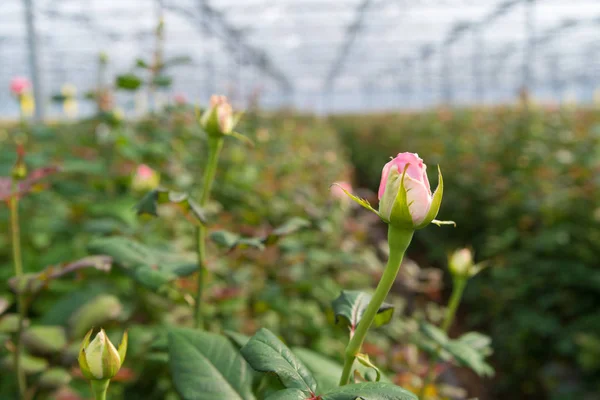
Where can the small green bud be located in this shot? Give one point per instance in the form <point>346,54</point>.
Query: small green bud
<point>461,264</point>
<point>218,119</point>
<point>19,170</point>
<point>99,359</point>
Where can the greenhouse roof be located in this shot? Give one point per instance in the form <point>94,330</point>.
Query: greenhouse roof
<point>318,54</point>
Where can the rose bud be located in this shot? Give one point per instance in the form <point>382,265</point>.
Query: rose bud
<point>145,178</point>
<point>405,198</point>
<point>218,119</point>
<point>100,360</point>
<point>461,265</point>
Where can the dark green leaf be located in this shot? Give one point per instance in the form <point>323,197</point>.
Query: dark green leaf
<point>266,353</point>
<point>206,366</point>
<point>162,81</point>
<point>291,226</point>
<point>351,305</point>
<point>369,391</point>
<point>151,268</point>
<point>128,82</point>
<point>150,202</point>
<point>178,60</point>
<point>140,63</point>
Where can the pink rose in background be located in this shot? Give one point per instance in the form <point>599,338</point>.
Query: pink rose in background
<point>180,99</point>
<point>19,85</point>
<point>418,191</point>
<point>338,193</point>
<point>145,178</point>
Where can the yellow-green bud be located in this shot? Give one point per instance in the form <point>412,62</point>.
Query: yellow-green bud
<point>218,119</point>
<point>99,359</point>
<point>461,264</point>
<point>19,170</point>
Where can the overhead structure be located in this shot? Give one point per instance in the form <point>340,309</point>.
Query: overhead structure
<point>315,55</point>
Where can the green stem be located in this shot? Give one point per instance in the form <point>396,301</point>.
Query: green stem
<point>457,291</point>
<point>214,149</point>
<point>100,388</point>
<point>21,306</point>
<point>398,241</point>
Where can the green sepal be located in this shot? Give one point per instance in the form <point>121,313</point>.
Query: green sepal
<point>83,364</point>
<point>123,347</point>
<point>210,123</point>
<point>436,202</point>
<point>362,202</point>
<point>242,138</point>
<point>400,215</point>
<point>109,367</point>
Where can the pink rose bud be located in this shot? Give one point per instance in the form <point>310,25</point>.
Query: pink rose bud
<point>19,85</point>
<point>405,198</point>
<point>218,119</point>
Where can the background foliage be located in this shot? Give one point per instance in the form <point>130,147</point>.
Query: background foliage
<point>524,190</point>
<point>522,186</point>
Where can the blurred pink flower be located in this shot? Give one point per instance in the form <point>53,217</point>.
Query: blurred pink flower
<point>338,193</point>
<point>180,99</point>
<point>19,85</point>
<point>145,178</point>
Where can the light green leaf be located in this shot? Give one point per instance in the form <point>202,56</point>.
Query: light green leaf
<point>45,339</point>
<point>149,267</point>
<point>206,366</point>
<point>369,391</point>
<point>351,305</point>
<point>266,353</point>
<point>5,302</point>
<point>290,394</point>
<point>54,378</point>
<point>96,312</point>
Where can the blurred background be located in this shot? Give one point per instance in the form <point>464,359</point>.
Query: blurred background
<point>502,94</point>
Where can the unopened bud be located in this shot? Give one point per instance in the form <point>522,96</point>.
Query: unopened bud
<point>99,359</point>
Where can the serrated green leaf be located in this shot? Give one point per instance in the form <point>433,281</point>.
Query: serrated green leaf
<point>148,205</point>
<point>149,267</point>
<point>434,333</point>
<point>290,394</point>
<point>266,353</point>
<point>467,356</point>
<point>206,366</point>
<point>351,305</point>
<point>45,339</point>
<point>369,391</point>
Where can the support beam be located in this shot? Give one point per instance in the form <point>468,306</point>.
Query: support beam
<point>352,32</point>
<point>34,66</point>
